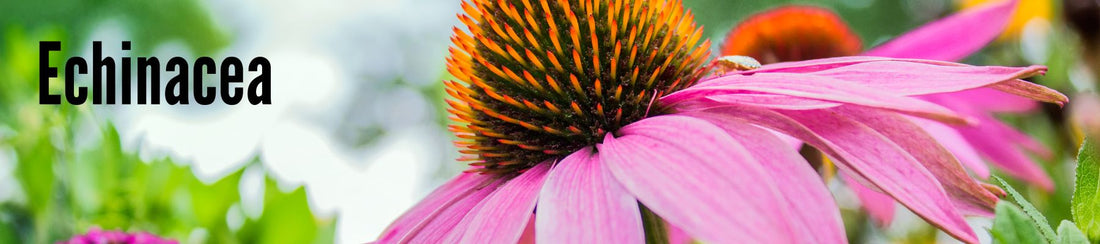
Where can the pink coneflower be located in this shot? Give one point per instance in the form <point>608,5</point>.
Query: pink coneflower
<point>590,118</point>
<point>97,236</point>
<point>795,33</point>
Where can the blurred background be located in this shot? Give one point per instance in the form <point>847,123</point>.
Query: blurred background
<point>356,130</point>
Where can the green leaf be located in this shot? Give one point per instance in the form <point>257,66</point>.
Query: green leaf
<point>1012,226</point>
<point>1086,201</point>
<point>1036,217</point>
<point>1069,234</point>
<point>211,203</point>
<point>286,217</point>
<point>34,167</point>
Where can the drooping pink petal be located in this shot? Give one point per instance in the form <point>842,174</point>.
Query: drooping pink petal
<point>582,203</point>
<point>954,142</point>
<point>813,208</point>
<point>879,206</point>
<point>985,119</point>
<point>447,216</point>
<point>776,101</point>
<point>528,236</point>
<point>1017,137</point>
<point>991,100</point>
<point>696,177</point>
<point>446,194</point>
<point>914,78</point>
<point>1030,90</point>
<point>814,65</point>
<point>502,217</point>
<point>862,152</point>
<point>992,142</point>
<point>677,235</point>
<point>951,38</point>
<point>968,195</point>
<point>815,87</point>
<point>907,76</point>
<point>794,143</point>
<point>894,171</point>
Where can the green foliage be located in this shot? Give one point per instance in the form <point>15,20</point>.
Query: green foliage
<point>149,22</point>
<point>286,218</point>
<point>71,180</point>
<point>112,189</point>
<point>1036,218</point>
<point>1086,201</point>
<point>1068,233</point>
<point>1013,226</point>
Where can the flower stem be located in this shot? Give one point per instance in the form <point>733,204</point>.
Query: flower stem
<point>655,230</point>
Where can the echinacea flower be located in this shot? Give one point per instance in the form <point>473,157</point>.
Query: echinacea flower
<point>97,236</point>
<point>589,121</point>
<point>794,33</point>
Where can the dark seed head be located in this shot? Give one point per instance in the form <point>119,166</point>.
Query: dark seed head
<point>540,79</point>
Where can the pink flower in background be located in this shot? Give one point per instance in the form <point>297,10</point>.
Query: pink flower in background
<point>950,39</point>
<point>587,122</point>
<point>97,236</point>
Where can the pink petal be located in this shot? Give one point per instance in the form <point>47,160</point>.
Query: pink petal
<point>1031,90</point>
<point>951,38</point>
<point>995,143</point>
<point>1000,143</point>
<point>879,206</point>
<point>443,196</point>
<point>677,235</point>
<point>582,203</point>
<point>814,87</point>
<point>812,206</point>
<point>988,99</point>
<point>915,78</point>
<point>776,101</point>
<point>862,152</point>
<point>528,236</point>
<point>907,76</point>
<point>985,119</point>
<point>813,65</point>
<point>794,143</point>
<point>1017,137</point>
<point>447,217</point>
<point>696,177</point>
<point>968,195</point>
<point>954,142</point>
<point>502,216</point>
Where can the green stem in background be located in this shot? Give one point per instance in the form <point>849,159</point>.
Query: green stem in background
<point>655,230</point>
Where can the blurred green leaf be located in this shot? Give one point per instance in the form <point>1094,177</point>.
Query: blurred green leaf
<point>1086,201</point>
<point>1036,217</point>
<point>1068,233</point>
<point>149,23</point>
<point>1012,226</point>
<point>212,202</point>
<point>286,218</point>
<point>8,232</point>
<point>35,167</point>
